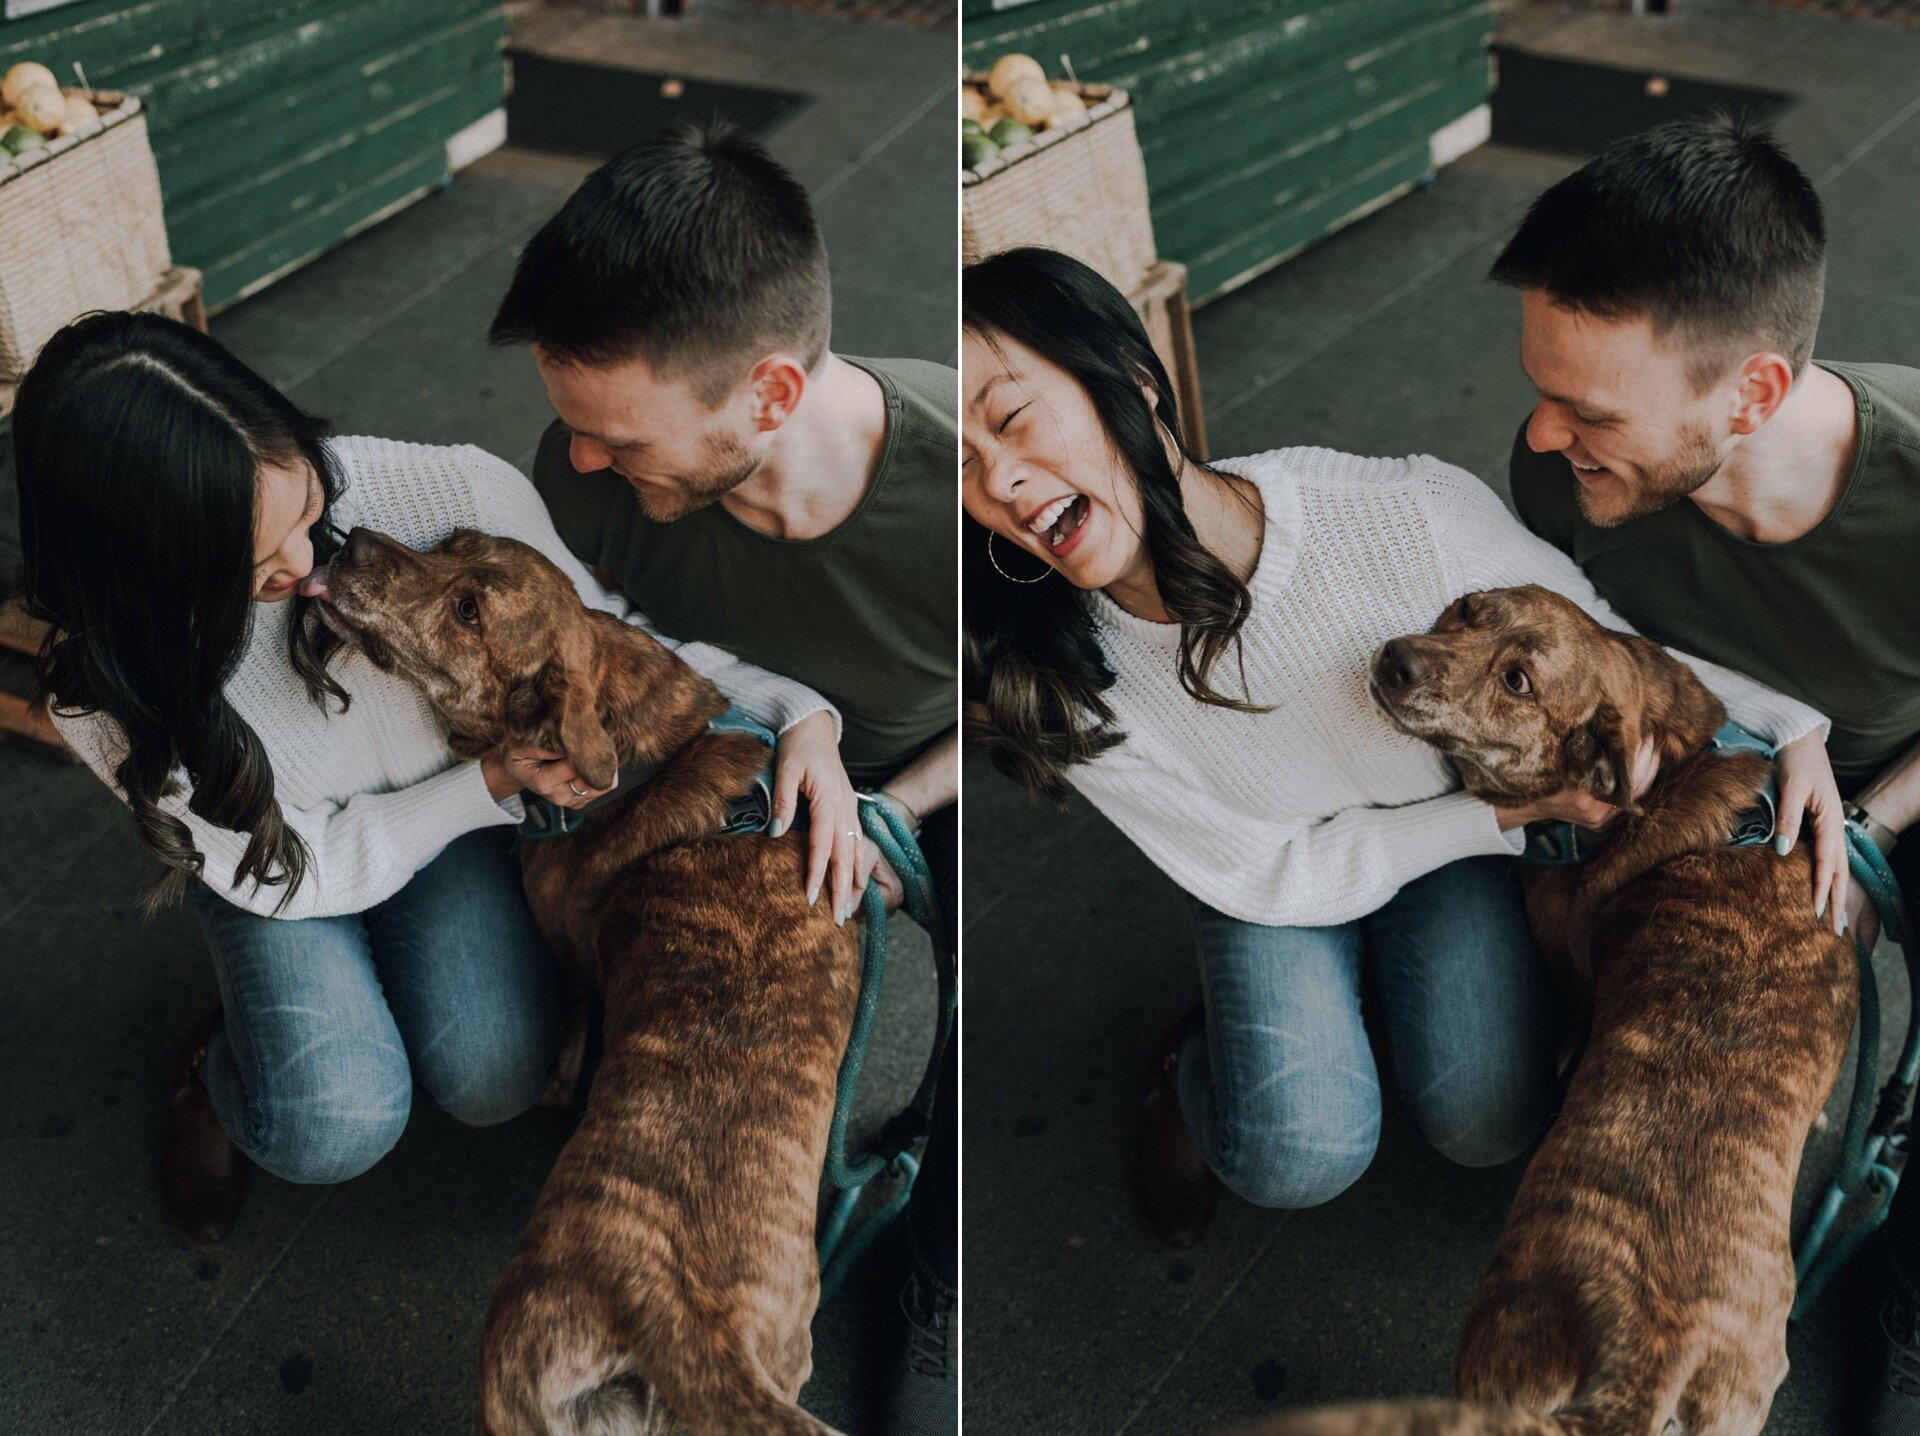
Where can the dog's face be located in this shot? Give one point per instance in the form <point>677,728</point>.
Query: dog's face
<point>1523,691</point>
<point>491,631</point>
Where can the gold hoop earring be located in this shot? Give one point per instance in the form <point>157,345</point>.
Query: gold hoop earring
<point>1046,569</point>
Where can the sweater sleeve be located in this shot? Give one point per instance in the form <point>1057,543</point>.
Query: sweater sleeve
<point>1286,872</point>
<point>1483,546</point>
<point>509,505</point>
<point>360,852</point>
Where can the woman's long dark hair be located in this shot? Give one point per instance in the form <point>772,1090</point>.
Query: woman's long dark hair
<point>137,442</point>
<point>1035,671</point>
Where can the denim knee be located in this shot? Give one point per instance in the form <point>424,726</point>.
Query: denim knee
<point>492,1095</point>
<point>482,1077</point>
<point>1487,1123</point>
<point>333,1135</point>
<point>1302,1163</point>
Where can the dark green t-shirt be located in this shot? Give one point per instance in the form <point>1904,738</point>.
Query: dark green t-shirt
<point>1831,618</point>
<point>866,615</point>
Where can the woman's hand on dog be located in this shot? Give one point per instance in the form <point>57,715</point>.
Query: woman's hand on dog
<point>1577,805</point>
<point>807,764</point>
<point>1808,792</point>
<point>538,770</point>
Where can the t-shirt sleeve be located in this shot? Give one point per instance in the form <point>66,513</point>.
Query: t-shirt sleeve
<point>511,507</point>
<point>1482,547</point>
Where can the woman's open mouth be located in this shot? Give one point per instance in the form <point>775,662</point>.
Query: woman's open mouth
<point>1059,522</point>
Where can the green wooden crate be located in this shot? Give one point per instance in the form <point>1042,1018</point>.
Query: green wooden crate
<point>1265,124</point>
<point>281,126</point>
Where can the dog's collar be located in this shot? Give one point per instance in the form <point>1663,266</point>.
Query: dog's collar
<point>747,812</point>
<point>1560,845</point>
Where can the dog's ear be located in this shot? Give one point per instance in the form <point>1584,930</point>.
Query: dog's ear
<point>1600,755</point>
<point>548,710</point>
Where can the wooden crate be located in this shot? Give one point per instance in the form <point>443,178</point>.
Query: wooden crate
<point>1080,189</point>
<point>1161,302</point>
<point>179,295</point>
<point>20,718</point>
<point>80,229</point>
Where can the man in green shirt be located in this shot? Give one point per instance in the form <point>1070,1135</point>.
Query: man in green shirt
<point>1730,497</point>
<point>749,488</point>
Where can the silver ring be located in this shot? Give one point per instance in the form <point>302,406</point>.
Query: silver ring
<point>853,832</point>
<point>576,789</point>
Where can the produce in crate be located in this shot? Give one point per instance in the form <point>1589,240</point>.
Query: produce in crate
<point>23,77</point>
<point>1010,70</point>
<point>43,108</point>
<point>19,139</point>
<point>36,103</point>
<point>1013,104</point>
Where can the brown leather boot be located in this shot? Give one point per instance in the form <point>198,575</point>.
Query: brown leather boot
<point>1174,1188</point>
<point>202,1174</point>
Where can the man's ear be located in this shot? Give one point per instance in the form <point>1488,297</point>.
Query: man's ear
<point>549,712</point>
<point>1600,755</point>
<point>779,382</point>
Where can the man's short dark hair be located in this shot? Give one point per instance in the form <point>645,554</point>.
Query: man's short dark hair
<point>1702,225</point>
<point>688,251</point>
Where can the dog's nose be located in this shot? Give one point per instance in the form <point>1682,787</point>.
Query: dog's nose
<point>1401,664</point>
<point>360,548</point>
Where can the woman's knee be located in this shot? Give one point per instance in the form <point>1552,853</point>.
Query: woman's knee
<point>1303,1159</point>
<point>333,1134</point>
<point>1488,1121</point>
<point>492,1072</point>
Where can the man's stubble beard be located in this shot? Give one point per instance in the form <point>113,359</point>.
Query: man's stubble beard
<point>1694,461</point>
<point>728,463</point>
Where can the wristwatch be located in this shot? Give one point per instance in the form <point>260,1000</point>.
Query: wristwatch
<point>1883,836</point>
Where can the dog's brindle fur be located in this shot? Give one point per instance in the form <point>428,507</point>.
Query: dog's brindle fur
<point>1642,1284</point>
<point>669,1269</point>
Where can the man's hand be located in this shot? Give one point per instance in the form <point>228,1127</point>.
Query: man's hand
<point>1577,805</point>
<point>807,763</point>
<point>541,771</point>
<point>1807,789</point>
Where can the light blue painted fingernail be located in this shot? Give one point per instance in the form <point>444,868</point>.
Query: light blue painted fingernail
<point>813,896</point>
<point>1820,909</point>
<point>1783,844</point>
<point>1843,924</point>
<point>776,827</point>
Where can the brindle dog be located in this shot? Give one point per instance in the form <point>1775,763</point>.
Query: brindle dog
<point>668,1277</point>
<point>1642,1284</point>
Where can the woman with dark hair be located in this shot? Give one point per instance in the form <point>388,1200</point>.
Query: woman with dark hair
<point>355,881</point>
<point>1187,645</point>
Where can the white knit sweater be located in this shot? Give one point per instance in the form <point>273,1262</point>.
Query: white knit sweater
<point>374,791</point>
<point>1317,811</point>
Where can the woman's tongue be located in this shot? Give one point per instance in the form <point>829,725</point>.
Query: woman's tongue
<point>314,585</point>
<point>1068,522</point>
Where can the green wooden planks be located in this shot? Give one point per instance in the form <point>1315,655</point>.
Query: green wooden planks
<point>1264,123</point>
<point>280,125</point>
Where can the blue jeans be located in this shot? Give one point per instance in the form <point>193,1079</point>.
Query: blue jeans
<point>328,1022</point>
<point>1278,1086</point>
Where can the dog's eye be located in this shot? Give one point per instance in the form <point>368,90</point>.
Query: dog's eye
<point>1517,682</point>
<point>466,608</point>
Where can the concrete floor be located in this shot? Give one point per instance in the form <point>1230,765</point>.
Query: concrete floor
<point>356,1309</point>
<point>1382,340</point>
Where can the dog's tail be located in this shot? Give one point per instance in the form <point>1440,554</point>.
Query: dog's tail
<point>1419,1418</point>
<point>727,1399</point>
<point>717,1388</point>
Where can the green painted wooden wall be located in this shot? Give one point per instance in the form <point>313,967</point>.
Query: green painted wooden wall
<point>1265,123</point>
<point>281,126</point>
